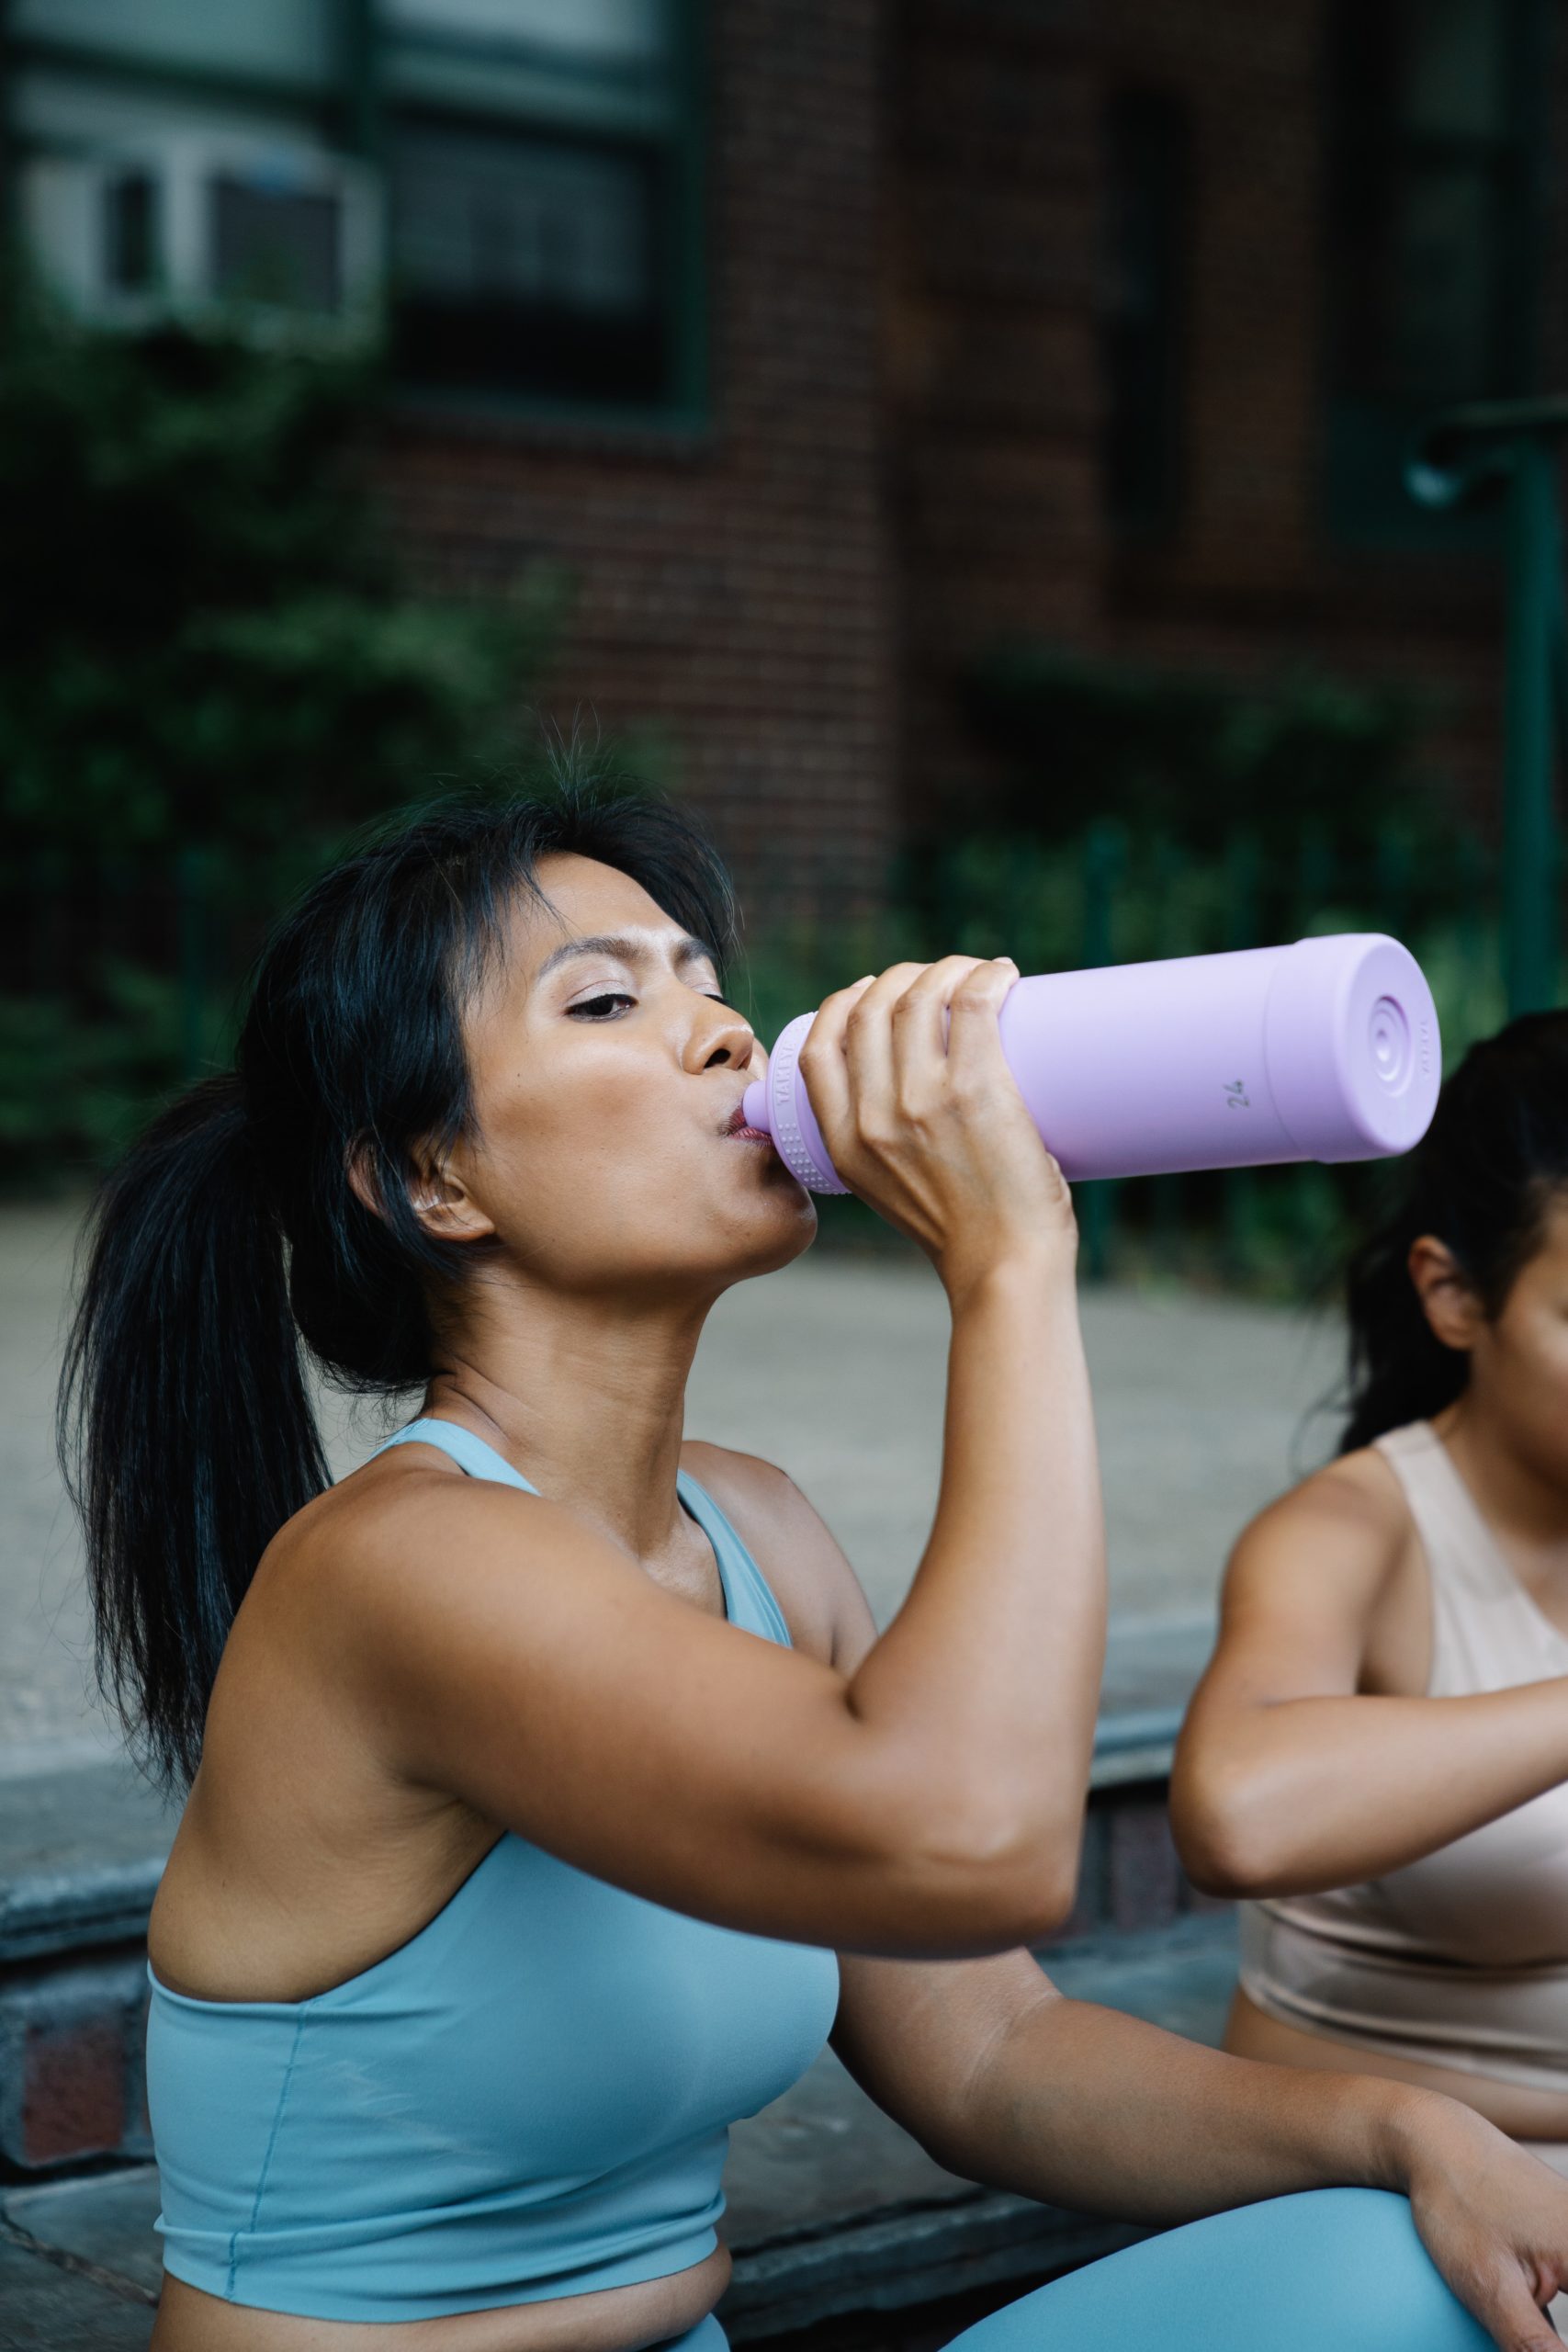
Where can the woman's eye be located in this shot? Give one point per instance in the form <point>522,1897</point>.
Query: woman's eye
<point>590,1005</point>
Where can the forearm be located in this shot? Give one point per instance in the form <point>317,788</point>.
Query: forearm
<point>1282,1808</point>
<point>997,1653</point>
<point>1087,2108</point>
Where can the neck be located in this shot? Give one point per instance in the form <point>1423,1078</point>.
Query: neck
<point>1519,1499</point>
<point>585,1397</point>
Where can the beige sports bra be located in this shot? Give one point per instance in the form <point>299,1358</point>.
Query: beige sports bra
<point>1459,1960</point>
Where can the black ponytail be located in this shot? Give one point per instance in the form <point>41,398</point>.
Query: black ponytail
<point>1480,1181</point>
<point>230,1241</point>
<point>183,1364</point>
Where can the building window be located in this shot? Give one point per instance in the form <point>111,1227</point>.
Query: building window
<point>1141,320</point>
<point>1431,234</point>
<point>540,159</point>
<point>529,265</point>
<point>511,187</point>
<point>273,245</point>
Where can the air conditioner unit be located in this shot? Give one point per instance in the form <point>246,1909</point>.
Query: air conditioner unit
<point>280,240</point>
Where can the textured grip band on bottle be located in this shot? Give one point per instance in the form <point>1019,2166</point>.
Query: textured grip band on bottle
<point>786,1089</point>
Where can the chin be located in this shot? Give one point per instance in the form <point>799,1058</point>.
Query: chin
<point>801,1239</point>
<point>786,1239</point>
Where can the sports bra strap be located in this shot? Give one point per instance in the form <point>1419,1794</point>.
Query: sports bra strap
<point>470,1453</point>
<point>749,1599</point>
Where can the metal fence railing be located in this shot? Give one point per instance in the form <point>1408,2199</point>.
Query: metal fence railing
<point>118,983</point>
<point>1110,897</point>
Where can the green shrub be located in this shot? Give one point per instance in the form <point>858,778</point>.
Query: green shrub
<point>1110,896</point>
<point>208,650</point>
<point>207,634</point>
<point>1195,757</point>
<point>74,1079</point>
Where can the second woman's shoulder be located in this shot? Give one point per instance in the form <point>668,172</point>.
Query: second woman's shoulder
<point>824,1606</point>
<point>1347,1521</point>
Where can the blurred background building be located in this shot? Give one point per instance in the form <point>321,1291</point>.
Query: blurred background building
<point>962,448</point>
<point>829,343</point>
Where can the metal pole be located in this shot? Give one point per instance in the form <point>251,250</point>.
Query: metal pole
<point>1530,852</point>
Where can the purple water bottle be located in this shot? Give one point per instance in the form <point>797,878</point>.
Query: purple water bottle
<point>1326,1050</point>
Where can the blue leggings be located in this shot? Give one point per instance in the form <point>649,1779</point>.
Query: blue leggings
<point>1332,2270</point>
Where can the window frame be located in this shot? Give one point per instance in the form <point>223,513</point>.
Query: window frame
<point>685,412</point>
<point>348,116</point>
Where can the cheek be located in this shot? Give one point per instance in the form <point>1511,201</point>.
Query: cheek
<point>587,1159</point>
<point>1533,1362</point>
<point>1553,1357</point>
<point>542,1112</point>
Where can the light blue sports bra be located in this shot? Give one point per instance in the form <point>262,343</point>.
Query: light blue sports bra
<point>531,2097</point>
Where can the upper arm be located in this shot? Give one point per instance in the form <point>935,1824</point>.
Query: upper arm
<point>1300,1599</point>
<point>510,1654</point>
<point>915,2034</point>
<point>1303,1584</point>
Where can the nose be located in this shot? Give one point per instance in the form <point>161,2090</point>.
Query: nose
<point>723,1041</point>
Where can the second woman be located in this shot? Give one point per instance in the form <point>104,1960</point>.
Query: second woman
<point>1378,1756</point>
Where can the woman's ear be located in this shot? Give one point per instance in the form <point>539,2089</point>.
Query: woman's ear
<point>1453,1309</point>
<point>435,1192</point>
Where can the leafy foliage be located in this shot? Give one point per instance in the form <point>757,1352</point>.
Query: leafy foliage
<point>206,634</point>
<point>74,1079</point>
<point>1113,895</point>
<point>212,668</point>
<point>1195,757</point>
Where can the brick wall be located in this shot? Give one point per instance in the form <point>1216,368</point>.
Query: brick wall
<point>997,190</point>
<point>733,585</point>
<point>994,388</point>
<point>72,2083</point>
<point>903,457</point>
<point>1252,577</point>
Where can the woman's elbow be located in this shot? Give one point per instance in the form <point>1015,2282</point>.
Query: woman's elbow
<point>1226,1848</point>
<point>1013,1875</point>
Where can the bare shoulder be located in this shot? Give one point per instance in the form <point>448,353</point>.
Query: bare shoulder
<point>1318,1581</point>
<point>374,1569</point>
<point>1351,1511</point>
<point>392,1532</point>
<point>827,1611</point>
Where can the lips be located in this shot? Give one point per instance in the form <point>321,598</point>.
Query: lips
<point>735,1126</point>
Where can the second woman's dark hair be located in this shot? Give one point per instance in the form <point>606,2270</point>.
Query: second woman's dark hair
<point>1480,1181</point>
<point>229,1238</point>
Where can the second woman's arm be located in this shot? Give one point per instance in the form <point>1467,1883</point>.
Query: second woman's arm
<point>1289,1776</point>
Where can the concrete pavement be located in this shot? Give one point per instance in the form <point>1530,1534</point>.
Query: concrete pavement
<point>834,1368</point>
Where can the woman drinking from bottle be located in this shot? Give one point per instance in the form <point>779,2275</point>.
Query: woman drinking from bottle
<point>551,1796</point>
<point>1377,1755</point>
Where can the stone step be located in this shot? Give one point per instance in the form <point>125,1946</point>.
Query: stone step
<point>81,1849</point>
<point>47,2307</point>
<point>833,2210</point>
<point>82,1846</point>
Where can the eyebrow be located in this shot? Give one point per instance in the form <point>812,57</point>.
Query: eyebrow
<point>630,951</point>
